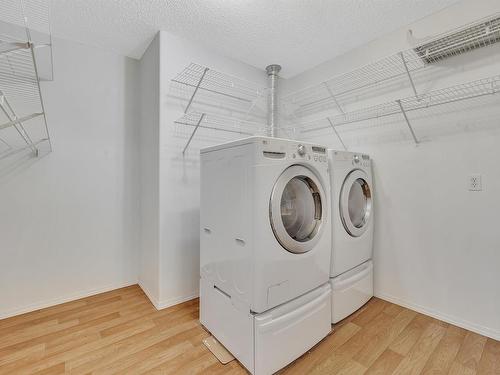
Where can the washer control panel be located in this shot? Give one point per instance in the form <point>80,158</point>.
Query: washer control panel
<point>361,160</point>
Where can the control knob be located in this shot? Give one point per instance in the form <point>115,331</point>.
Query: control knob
<point>301,150</point>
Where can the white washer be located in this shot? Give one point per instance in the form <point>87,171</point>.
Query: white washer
<point>265,249</point>
<point>352,244</point>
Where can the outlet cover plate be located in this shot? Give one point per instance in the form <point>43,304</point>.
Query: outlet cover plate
<point>475,182</point>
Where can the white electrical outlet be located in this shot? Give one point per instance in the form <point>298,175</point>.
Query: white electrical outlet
<point>475,182</point>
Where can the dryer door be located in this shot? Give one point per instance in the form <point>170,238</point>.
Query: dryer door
<point>356,203</point>
<point>297,209</point>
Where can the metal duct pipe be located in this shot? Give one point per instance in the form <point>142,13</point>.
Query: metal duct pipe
<point>272,100</point>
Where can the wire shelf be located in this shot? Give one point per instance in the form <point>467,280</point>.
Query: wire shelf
<point>200,77</point>
<point>336,93</point>
<point>332,93</point>
<point>222,123</point>
<point>210,121</point>
<point>24,29</point>
<point>479,34</point>
<point>487,86</point>
<point>33,15</point>
<point>401,108</point>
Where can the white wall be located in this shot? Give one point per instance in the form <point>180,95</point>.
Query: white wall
<point>149,269</point>
<point>436,243</point>
<point>68,222</point>
<point>179,175</point>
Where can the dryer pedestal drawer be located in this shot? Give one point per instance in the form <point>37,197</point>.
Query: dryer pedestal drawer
<point>286,332</point>
<point>351,290</point>
<point>232,326</point>
<point>264,343</point>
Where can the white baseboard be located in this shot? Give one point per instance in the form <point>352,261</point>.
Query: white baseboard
<point>152,298</point>
<point>176,300</point>
<point>67,298</point>
<point>159,305</point>
<point>477,328</point>
<point>87,293</point>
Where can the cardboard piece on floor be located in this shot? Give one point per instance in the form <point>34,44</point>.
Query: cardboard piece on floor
<point>218,350</point>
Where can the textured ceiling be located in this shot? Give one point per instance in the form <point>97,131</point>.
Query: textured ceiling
<point>298,34</point>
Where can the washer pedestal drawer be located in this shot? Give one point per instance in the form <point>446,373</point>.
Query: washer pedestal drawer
<point>351,290</point>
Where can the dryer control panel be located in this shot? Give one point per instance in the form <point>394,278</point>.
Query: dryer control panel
<point>309,153</point>
<point>278,149</point>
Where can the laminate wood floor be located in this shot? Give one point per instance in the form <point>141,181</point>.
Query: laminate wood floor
<point>120,332</point>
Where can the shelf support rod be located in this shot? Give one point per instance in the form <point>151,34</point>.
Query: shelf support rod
<point>337,133</point>
<point>23,119</point>
<point>407,122</point>
<point>11,47</point>
<point>40,92</point>
<point>214,91</point>
<point>18,150</point>
<point>16,122</point>
<point>196,90</point>
<point>408,74</point>
<point>250,109</point>
<point>333,97</point>
<point>5,143</point>
<point>193,133</point>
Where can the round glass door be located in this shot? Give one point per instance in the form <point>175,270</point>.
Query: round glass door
<point>356,203</point>
<point>296,209</point>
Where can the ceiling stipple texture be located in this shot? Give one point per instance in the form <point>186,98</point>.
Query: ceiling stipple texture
<point>297,34</point>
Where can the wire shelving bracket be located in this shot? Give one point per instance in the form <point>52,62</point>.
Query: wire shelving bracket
<point>202,78</point>
<point>25,28</point>
<point>201,120</point>
<point>337,133</point>
<point>403,112</point>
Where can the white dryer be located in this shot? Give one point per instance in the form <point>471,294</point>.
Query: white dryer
<point>265,249</point>
<point>352,243</point>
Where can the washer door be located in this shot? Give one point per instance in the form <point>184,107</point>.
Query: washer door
<point>297,209</point>
<point>356,203</point>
